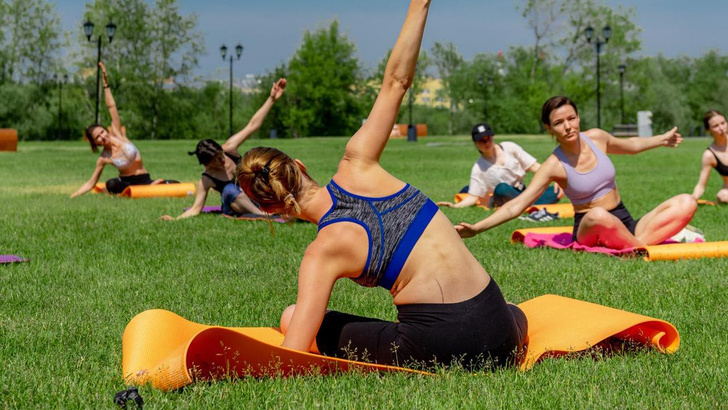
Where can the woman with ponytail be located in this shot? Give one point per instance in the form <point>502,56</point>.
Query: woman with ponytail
<point>380,231</point>
<point>220,162</point>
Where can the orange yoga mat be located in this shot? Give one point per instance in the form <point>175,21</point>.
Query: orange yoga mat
<point>181,189</point>
<point>564,209</point>
<point>8,139</point>
<point>663,252</point>
<point>168,351</point>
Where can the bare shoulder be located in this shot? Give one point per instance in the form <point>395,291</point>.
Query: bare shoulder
<point>339,248</point>
<point>598,134</point>
<point>709,158</point>
<point>552,167</point>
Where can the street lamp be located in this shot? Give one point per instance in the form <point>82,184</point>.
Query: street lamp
<point>607,34</point>
<point>88,30</point>
<point>622,68</point>
<point>411,129</point>
<point>238,52</point>
<point>60,99</point>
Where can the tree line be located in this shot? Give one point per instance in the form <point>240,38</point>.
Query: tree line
<point>156,49</point>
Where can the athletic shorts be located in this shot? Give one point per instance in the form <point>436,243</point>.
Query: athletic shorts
<point>619,211</point>
<point>119,184</point>
<point>481,332</point>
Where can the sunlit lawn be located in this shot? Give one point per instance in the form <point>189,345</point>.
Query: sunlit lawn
<point>97,261</point>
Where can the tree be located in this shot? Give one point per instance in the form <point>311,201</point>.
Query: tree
<point>448,61</point>
<point>325,80</point>
<point>29,40</point>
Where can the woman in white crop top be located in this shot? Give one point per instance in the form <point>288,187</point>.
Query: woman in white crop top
<point>601,219</point>
<point>118,151</point>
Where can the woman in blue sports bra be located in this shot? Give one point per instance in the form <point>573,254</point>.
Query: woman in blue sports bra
<point>118,151</point>
<point>380,231</point>
<point>220,162</point>
<point>586,174</point>
<point>715,156</point>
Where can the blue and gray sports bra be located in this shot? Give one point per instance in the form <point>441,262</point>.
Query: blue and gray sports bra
<point>393,224</point>
<point>582,188</point>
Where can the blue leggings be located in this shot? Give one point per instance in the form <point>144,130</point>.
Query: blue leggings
<point>504,192</point>
<point>229,193</point>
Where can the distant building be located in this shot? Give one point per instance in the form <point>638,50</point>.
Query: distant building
<point>431,94</point>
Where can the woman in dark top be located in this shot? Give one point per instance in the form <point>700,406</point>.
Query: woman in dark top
<point>220,163</point>
<point>715,156</point>
<point>380,231</point>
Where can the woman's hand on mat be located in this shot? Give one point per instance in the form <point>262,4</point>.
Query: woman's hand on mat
<point>671,138</point>
<point>466,230</point>
<point>103,71</point>
<point>277,90</point>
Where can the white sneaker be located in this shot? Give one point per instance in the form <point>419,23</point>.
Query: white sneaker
<point>689,234</point>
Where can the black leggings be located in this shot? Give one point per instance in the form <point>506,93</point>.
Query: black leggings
<point>480,332</point>
<point>119,184</point>
<point>620,211</point>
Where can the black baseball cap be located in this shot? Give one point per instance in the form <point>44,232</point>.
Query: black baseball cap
<point>481,131</point>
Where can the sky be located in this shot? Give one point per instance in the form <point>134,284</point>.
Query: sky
<point>271,30</point>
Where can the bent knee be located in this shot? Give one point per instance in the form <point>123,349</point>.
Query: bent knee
<point>286,318</point>
<point>723,196</point>
<point>687,203</point>
<point>598,216</point>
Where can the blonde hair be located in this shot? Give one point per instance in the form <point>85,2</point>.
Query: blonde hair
<point>272,179</point>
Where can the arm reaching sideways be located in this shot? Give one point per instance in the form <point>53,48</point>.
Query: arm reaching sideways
<point>111,105</point>
<point>708,162</point>
<point>196,208</point>
<point>635,145</point>
<point>89,185</point>
<point>231,145</point>
<point>516,206</point>
<point>367,144</point>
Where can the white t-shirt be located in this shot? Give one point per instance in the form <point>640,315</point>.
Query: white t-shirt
<point>485,176</point>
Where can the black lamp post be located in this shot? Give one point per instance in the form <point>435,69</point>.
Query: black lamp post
<point>60,99</point>
<point>622,68</point>
<point>238,52</point>
<point>411,129</point>
<point>88,30</point>
<point>607,34</point>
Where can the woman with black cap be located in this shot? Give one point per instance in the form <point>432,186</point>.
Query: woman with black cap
<point>497,176</point>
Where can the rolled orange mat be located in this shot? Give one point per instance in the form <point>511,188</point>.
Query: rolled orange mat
<point>181,189</point>
<point>168,351</point>
<point>8,139</point>
<point>565,209</point>
<point>676,251</point>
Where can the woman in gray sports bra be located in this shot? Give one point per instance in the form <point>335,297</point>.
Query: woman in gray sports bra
<point>581,167</point>
<point>220,162</point>
<point>118,151</point>
<point>380,231</point>
<point>715,156</point>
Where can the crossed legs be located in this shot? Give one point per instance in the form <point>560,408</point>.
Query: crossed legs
<point>601,228</point>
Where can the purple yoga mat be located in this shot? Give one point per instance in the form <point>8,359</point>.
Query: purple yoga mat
<point>11,259</point>
<point>210,209</point>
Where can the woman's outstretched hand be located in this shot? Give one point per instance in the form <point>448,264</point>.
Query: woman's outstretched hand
<point>671,138</point>
<point>466,230</point>
<point>277,90</point>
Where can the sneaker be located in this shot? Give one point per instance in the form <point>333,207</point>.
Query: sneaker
<point>540,215</point>
<point>689,234</point>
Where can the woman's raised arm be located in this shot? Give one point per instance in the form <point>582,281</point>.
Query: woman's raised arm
<point>368,143</point>
<point>111,105</point>
<point>231,145</point>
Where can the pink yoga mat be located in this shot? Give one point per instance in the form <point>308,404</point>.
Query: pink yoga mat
<point>12,259</point>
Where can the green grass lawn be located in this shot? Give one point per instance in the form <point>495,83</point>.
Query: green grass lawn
<point>96,261</point>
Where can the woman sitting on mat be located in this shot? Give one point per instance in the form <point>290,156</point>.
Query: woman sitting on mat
<point>715,156</point>
<point>586,174</point>
<point>380,231</point>
<point>497,176</point>
<point>117,151</point>
<point>220,162</point>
